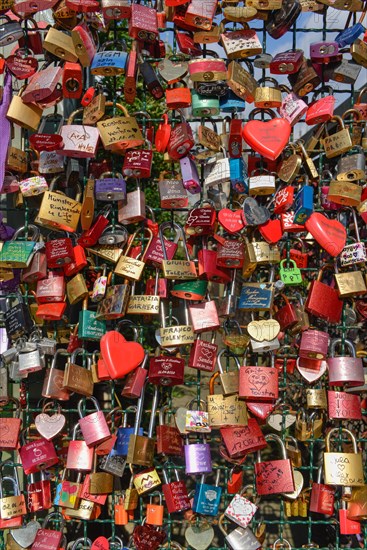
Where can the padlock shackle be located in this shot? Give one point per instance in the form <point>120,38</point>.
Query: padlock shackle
<point>212,383</point>
<point>347,343</point>
<point>87,543</point>
<point>84,400</point>
<point>34,230</point>
<point>344,430</point>
<point>228,354</point>
<point>277,439</point>
<point>153,413</point>
<point>54,515</point>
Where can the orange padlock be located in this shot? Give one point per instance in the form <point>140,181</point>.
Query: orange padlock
<point>121,515</point>
<point>178,97</point>
<point>155,511</point>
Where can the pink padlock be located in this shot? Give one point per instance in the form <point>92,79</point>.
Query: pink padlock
<point>94,426</point>
<point>345,370</point>
<point>292,108</point>
<point>314,344</point>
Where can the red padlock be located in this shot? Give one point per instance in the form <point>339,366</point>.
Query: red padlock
<point>135,380</point>
<point>178,97</point>
<point>138,162</point>
<point>49,539</point>
<point>10,427</point>
<point>344,406</point>
<point>286,315</point>
<point>314,344</point>
<point>323,301</point>
<point>169,440</point>
<point>166,370</point>
<point>37,455</point>
<point>283,199</point>
<point>51,289</point>
<point>181,141</point>
<point>90,237</point>
<point>208,269</point>
<point>79,262</point>
<point>274,477</point>
<point>39,494</point>
<point>72,80</point>
<point>259,383</point>
<point>175,493</point>
<point>322,496</point>
<point>235,138</point>
<point>203,354</point>
<point>59,252</point>
<point>202,219</point>
<point>240,440</point>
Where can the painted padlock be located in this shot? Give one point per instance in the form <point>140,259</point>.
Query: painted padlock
<point>345,370</point>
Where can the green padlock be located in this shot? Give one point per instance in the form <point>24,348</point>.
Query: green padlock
<point>190,290</point>
<point>290,275</point>
<point>19,254</point>
<point>89,327</point>
<point>203,106</point>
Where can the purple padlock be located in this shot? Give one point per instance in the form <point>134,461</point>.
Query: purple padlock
<point>325,52</point>
<point>198,459</point>
<point>109,188</point>
<point>345,370</point>
<point>190,175</point>
<point>6,231</point>
<point>12,284</point>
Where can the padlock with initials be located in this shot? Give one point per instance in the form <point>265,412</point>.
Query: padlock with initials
<point>274,477</point>
<point>175,493</point>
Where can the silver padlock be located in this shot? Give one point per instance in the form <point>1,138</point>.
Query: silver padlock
<point>352,167</point>
<point>240,538</point>
<point>3,381</point>
<point>346,72</point>
<point>113,464</point>
<point>30,358</point>
<point>227,306</point>
<point>9,355</point>
<point>114,235</point>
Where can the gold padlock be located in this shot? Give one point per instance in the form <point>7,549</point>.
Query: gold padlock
<point>60,44</point>
<point>241,82</point>
<point>58,210</point>
<point>120,133</point>
<point>338,143</point>
<point>132,268</point>
<point>25,115</point>
<point>267,96</point>
<point>345,469</point>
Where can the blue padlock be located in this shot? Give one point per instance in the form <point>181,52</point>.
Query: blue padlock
<point>109,62</point>
<point>303,204</point>
<point>238,175</point>
<point>124,433</point>
<point>231,103</point>
<point>350,35</point>
<point>207,497</point>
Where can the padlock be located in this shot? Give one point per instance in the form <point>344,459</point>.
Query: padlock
<point>305,80</point>
<point>286,315</point>
<point>36,455</point>
<point>11,506</point>
<point>293,451</point>
<point>197,457</point>
<point>138,163</point>
<point>154,513</point>
<point>60,45</point>
<point>240,440</point>
<point>141,448</point>
<point>135,380</point>
<point>292,108</point>
<point>225,410</point>
<point>242,43</point>
<point>172,192</point>
<point>314,344</point>
<point>120,133</point>
<point>49,538</point>
<point>345,370</point>
<point>108,61</point>
<point>123,434</point>
<point>68,492</point>
<point>322,496</point>
<point>359,106</point>
<point>207,497</point>
<point>53,382</point>
<point>80,456</point>
<point>175,492</point>
<point>166,370</point>
<point>288,62</point>
<point>16,253</point>
<point>100,483</point>
<point>350,283</point>
<point>274,476</point>
<point>258,296</point>
<point>181,140</point>
<point>337,143</point>
<point>132,268</point>
<point>203,354</point>
<point>39,494</point>
<point>263,184</point>
<point>281,20</point>
<point>10,427</point>
<point>176,269</point>
<point>143,23</point>
<point>178,97</point>
<point>323,300</point>
<point>228,379</point>
<point>239,538</point>
<point>30,357</point>
<point>350,476</point>
<point>110,187</point>
<point>346,72</point>
<point>266,96</point>
<point>206,69</point>
<point>169,441</point>
<point>89,327</point>
<point>342,405</point>
<point>93,426</point>
<point>201,219</point>
<point>133,210</point>
<point>241,510</point>
<point>78,379</point>
<point>250,388</point>
<point>84,44</point>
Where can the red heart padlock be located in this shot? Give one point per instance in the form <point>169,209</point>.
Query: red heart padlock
<point>21,65</point>
<point>260,410</point>
<point>272,231</point>
<point>147,537</point>
<point>119,355</point>
<point>101,543</point>
<point>230,220</point>
<point>267,138</point>
<point>46,142</point>
<point>330,234</point>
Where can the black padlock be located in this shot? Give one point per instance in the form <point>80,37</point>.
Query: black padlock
<point>151,80</point>
<point>17,319</point>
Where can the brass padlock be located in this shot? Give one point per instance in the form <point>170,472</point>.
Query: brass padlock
<point>25,115</point>
<point>338,143</point>
<point>352,474</point>
<point>267,96</point>
<point>60,44</point>
<point>120,133</point>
